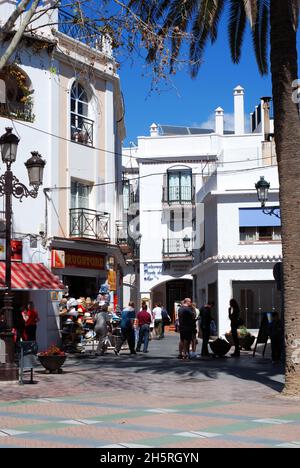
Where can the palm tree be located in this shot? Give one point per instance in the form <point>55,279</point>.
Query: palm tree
<point>274,21</point>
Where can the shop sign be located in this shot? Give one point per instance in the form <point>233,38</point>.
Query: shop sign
<point>16,250</point>
<point>152,271</point>
<point>2,249</point>
<point>112,280</point>
<point>77,259</point>
<point>57,259</point>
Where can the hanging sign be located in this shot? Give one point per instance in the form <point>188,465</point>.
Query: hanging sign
<point>57,259</point>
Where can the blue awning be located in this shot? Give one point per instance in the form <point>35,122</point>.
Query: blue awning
<point>255,217</point>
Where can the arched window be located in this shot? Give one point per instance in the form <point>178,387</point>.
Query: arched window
<point>81,125</point>
<point>15,94</point>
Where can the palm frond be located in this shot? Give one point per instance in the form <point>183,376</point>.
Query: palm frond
<point>251,9</point>
<point>260,35</point>
<point>216,19</point>
<point>205,25</point>
<point>294,6</point>
<point>236,28</point>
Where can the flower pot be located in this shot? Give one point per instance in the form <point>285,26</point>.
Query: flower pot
<point>52,363</point>
<point>219,347</point>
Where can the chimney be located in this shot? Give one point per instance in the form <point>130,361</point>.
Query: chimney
<point>219,127</point>
<point>6,9</point>
<point>154,130</point>
<point>239,112</point>
<point>266,116</point>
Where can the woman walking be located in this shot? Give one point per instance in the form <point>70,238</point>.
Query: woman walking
<point>234,317</point>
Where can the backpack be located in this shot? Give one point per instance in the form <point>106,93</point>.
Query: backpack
<point>165,317</point>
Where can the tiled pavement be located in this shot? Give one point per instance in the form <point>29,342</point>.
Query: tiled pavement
<point>151,401</point>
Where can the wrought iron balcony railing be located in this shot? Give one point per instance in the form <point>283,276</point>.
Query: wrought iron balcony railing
<point>82,130</point>
<point>179,195</point>
<point>176,248</point>
<point>79,29</point>
<point>89,223</point>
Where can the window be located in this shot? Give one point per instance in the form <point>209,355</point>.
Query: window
<point>180,186</point>
<point>81,125</point>
<point>256,226</point>
<point>260,234</point>
<point>15,94</point>
<point>80,195</point>
<point>128,195</point>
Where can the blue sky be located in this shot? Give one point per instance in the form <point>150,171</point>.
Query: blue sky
<point>194,101</point>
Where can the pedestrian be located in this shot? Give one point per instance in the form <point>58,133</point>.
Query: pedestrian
<point>166,320</point>
<point>31,318</point>
<point>157,312</point>
<point>276,335</point>
<point>205,321</point>
<point>127,330</point>
<point>19,324</point>
<point>144,321</point>
<point>194,340</point>
<point>235,320</point>
<point>101,328</point>
<point>187,326</point>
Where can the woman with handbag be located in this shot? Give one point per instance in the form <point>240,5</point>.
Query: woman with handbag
<point>234,317</point>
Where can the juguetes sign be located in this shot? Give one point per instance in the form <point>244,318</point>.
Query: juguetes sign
<point>76,259</point>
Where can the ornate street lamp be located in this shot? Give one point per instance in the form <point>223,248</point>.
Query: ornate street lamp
<point>187,243</point>
<point>11,186</point>
<point>138,240</point>
<point>9,146</point>
<point>35,167</point>
<point>262,188</point>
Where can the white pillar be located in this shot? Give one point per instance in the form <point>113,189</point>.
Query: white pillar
<point>219,127</point>
<point>239,112</point>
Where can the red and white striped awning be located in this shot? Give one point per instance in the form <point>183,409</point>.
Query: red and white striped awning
<point>30,276</point>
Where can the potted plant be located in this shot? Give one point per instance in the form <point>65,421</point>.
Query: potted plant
<point>52,359</point>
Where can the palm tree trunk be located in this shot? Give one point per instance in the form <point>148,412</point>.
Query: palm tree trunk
<point>284,69</point>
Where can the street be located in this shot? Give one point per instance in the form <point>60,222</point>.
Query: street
<point>152,400</point>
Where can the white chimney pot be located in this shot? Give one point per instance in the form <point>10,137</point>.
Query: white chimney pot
<point>219,127</point>
<point>239,111</point>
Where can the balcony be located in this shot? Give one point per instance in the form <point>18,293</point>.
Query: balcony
<point>184,195</point>
<point>76,28</point>
<point>174,248</point>
<point>91,224</point>
<point>82,130</point>
<point>17,110</point>
<point>124,241</point>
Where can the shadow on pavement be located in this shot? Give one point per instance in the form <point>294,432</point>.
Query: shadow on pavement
<point>246,368</point>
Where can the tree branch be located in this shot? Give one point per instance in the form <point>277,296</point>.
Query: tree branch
<point>13,18</point>
<point>18,36</point>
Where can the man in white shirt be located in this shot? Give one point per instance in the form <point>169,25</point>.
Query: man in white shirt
<point>157,312</point>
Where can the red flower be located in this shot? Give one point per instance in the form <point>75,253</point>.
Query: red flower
<point>52,351</point>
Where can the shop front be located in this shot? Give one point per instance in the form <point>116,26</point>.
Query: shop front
<point>34,282</point>
<point>82,272</point>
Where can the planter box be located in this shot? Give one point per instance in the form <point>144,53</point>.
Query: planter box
<point>52,363</point>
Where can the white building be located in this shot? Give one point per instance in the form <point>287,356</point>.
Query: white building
<point>178,166</point>
<point>61,94</point>
<point>241,244</point>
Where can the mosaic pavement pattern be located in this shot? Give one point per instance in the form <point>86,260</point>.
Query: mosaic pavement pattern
<point>101,420</point>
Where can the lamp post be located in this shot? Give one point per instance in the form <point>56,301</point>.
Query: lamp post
<point>262,188</point>
<point>187,243</point>
<point>10,186</point>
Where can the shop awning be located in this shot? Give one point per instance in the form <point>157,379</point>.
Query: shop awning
<point>255,217</point>
<point>30,276</point>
